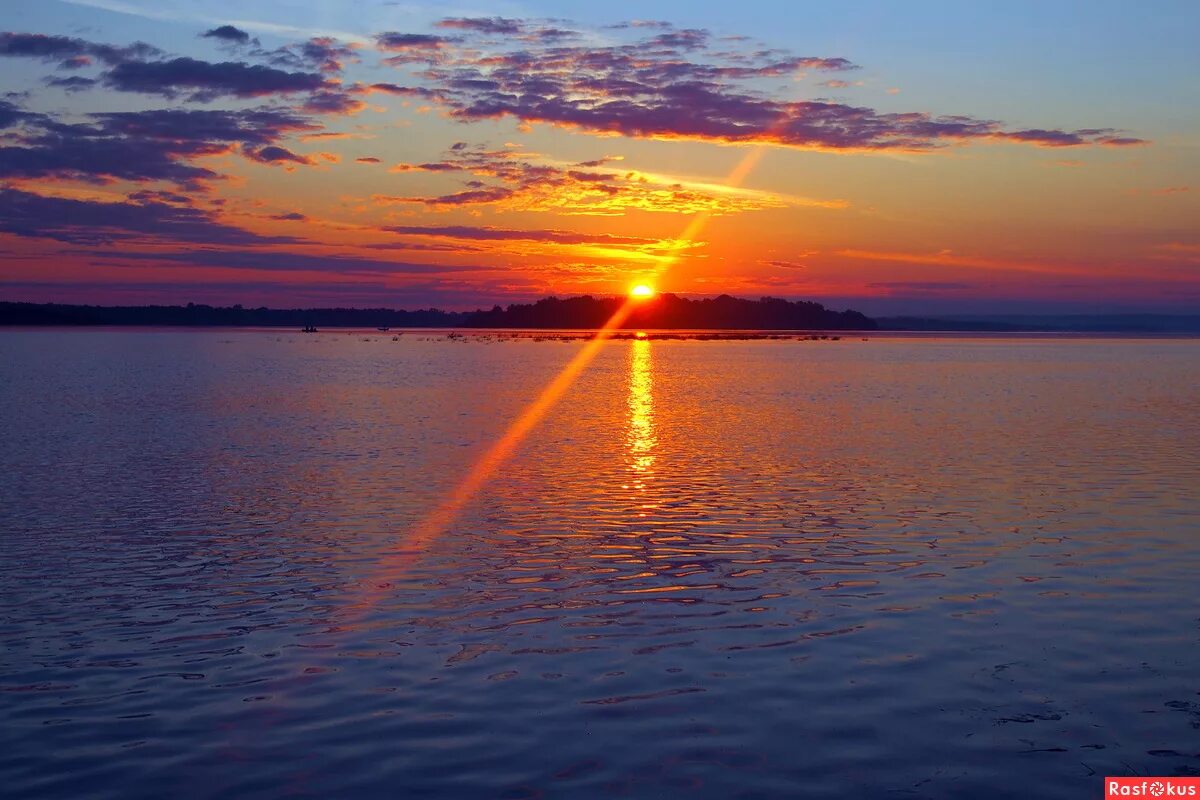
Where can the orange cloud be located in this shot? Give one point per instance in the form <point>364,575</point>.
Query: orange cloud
<point>518,183</point>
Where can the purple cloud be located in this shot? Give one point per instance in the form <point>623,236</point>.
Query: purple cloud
<point>322,53</point>
<point>102,159</point>
<point>95,222</point>
<point>391,40</point>
<point>408,48</point>
<point>675,84</point>
<point>650,107</point>
<point>1052,138</point>
<point>69,50</point>
<point>143,69</point>
<point>138,146</point>
<point>326,53</point>
<point>507,234</point>
<point>277,260</point>
<point>250,126</point>
<point>404,91</point>
<point>228,33</point>
<point>430,166</point>
<point>487,25</point>
<point>11,113</point>
<point>153,195</point>
<point>687,39</point>
<point>73,83</point>
<point>333,101</point>
<point>203,81</point>
<point>491,194</point>
<point>424,246</point>
<point>274,154</point>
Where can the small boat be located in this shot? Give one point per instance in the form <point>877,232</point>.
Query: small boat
<point>308,329</point>
<point>383,328</point>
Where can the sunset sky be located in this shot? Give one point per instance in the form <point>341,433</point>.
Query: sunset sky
<point>888,157</point>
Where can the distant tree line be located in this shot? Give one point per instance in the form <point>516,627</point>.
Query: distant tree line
<point>666,311</point>
<point>669,311</point>
<point>199,315</point>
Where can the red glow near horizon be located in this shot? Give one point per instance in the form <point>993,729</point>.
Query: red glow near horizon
<point>418,539</point>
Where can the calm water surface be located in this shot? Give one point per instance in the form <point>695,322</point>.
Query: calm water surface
<point>941,568</point>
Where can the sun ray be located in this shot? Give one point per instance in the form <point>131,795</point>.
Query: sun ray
<point>436,522</point>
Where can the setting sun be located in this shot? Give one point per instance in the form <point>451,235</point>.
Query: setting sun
<point>642,292</point>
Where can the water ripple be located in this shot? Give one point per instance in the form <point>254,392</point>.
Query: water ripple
<point>722,569</point>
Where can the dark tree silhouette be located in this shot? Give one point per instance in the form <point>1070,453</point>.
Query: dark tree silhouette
<point>669,311</point>
<point>666,311</point>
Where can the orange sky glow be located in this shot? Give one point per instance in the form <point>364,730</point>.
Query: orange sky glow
<point>469,161</point>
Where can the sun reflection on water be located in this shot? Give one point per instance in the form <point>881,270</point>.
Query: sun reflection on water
<point>641,437</point>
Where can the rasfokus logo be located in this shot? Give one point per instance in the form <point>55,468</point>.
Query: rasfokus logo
<point>1151,787</point>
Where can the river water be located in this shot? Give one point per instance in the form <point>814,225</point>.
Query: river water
<point>918,567</point>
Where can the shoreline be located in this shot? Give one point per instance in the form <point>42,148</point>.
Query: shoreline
<point>625,334</point>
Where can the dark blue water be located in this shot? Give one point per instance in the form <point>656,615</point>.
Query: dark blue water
<point>936,568</point>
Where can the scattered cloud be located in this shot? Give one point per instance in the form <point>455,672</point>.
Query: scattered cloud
<point>333,101</point>
<point>487,25</point>
<point>410,48</point>
<point>145,218</point>
<point>511,180</point>
<point>309,68</point>
<point>293,261</point>
<point>152,145</point>
<point>403,91</point>
<point>71,84</point>
<point>204,81</point>
<point>676,84</point>
<point>1054,138</point>
<point>323,53</point>
<point>424,246</point>
<point>228,33</point>
<point>488,233</point>
<point>71,52</point>
<point>273,154</point>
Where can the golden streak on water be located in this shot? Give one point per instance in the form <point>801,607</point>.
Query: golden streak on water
<point>642,438</point>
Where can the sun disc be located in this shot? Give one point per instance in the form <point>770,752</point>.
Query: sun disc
<point>642,291</point>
